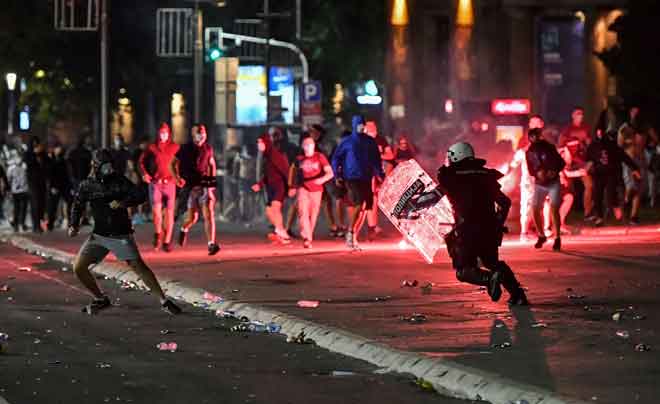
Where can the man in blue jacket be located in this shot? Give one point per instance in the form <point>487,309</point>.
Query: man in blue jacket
<point>358,160</point>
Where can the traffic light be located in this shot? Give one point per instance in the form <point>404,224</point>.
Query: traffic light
<point>215,53</point>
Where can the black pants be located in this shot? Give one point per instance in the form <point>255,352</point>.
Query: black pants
<point>606,186</point>
<point>466,249</point>
<point>37,207</point>
<point>53,203</point>
<point>20,209</point>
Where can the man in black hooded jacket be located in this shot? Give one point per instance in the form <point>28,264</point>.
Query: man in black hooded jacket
<point>480,211</point>
<point>110,194</point>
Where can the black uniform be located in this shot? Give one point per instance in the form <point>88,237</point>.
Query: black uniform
<point>38,172</point>
<point>60,187</point>
<point>480,211</point>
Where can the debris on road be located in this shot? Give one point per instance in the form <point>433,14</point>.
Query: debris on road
<point>168,346</point>
<point>300,339</point>
<point>623,334</point>
<point>539,324</point>
<point>5,288</point>
<point>409,284</point>
<point>165,332</point>
<point>213,298</point>
<point>427,289</point>
<point>379,298</point>
<point>503,345</point>
<point>103,365</point>
<point>342,373</point>
<point>617,317</point>
<point>576,297</point>
<point>639,317</point>
<point>642,348</point>
<point>24,269</point>
<point>425,385</point>
<point>520,402</point>
<point>309,304</point>
<point>415,318</point>
<point>257,326</point>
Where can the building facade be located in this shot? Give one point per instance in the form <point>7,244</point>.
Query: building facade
<point>447,60</point>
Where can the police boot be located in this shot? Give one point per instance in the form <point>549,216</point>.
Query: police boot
<point>511,284</point>
<point>479,277</point>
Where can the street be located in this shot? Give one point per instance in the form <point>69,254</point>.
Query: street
<point>56,354</point>
<point>566,342</point>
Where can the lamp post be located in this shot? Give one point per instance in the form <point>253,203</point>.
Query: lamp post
<point>11,86</point>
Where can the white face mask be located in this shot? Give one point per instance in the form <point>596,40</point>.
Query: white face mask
<point>309,150</point>
<point>106,169</point>
<point>199,138</point>
<point>164,137</point>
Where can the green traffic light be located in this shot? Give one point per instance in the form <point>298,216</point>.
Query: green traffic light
<point>215,54</point>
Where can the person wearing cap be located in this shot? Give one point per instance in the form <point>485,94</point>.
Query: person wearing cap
<point>480,212</point>
<point>195,164</point>
<point>162,185</point>
<point>110,195</point>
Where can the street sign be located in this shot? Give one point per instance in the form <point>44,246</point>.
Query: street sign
<point>174,32</point>
<point>311,110</point>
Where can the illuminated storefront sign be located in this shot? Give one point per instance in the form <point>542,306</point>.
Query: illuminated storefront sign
<point>520,106</point>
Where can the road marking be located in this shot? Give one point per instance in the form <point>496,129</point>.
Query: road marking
<point>47,277</point>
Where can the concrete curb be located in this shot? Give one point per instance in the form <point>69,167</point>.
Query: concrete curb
<point>445,376</point>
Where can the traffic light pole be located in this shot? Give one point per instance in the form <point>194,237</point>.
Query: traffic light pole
<point>104,74</point>
<point>198,62</point>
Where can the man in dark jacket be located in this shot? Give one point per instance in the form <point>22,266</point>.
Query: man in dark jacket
<point>110,195</point>
<point>480,212</point>
<point>60,185</point>
<point>358,161</point>
<point>604,161</point>
<point>38,172</point>
<point>545,164</point>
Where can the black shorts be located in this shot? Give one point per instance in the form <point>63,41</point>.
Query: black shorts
<point>275,192</point>
<point>337,192</point>
<point>359,192</point>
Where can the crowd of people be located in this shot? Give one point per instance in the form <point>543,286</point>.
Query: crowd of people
<point>614,168</point>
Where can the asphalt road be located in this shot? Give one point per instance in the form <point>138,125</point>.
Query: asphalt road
<point>56,354</point>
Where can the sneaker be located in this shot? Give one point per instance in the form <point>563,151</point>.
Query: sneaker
<point>157,241</point>
<point>634,221</point>
<point>599,222</point>
<point>183,238</point>
<point>518,298</point>
<point>540,241</point>
<point>350,243</point>
<point>341,232</point>
<point>590,218</point>
<point>214,248</point>
<point>167,247</point>
<point>556,246</point>
<point>169,307</point>
<point>307,243</point>
<point>494,288</point>
<point>97,305</point>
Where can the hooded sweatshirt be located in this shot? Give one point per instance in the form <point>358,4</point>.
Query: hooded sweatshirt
<point>357,157</point>
<point>276,165</point>
<point>162,154</point>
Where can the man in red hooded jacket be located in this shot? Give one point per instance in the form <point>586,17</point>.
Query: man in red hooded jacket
<point>162,185</point>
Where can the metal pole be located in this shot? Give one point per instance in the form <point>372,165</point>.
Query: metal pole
<point>267,19</point>
<point>198,61</point>
<point>104,73</point>
<point>298,20</point>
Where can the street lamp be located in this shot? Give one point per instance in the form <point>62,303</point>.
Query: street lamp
<point>11,85</point>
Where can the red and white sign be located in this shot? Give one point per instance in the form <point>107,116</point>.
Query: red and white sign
<point>517,106</point>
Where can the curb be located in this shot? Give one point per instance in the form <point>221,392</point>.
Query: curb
<point>447,377</point>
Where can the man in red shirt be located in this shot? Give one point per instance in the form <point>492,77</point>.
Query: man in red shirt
<point>575,138</point>
<point>307,176</point>
<point>155,164</point>
<point>196,163</point>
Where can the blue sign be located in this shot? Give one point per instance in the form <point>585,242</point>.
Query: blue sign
<point>24,119</point>
<point>280,78</point>
<point>312,91</point>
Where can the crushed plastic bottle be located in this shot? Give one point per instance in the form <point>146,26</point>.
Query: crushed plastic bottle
<point>623,334</point>
<point>226,313</point>
<point>409,284</point>
<point>213,298</point>
<point>308,304</point>
<point>616,316</point>
<point>415,318</point>
<point>642,348</point>
<point>168,346</point>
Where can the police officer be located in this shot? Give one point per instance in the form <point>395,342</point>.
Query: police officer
<point>110,194</point>
<point>480,212</point>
